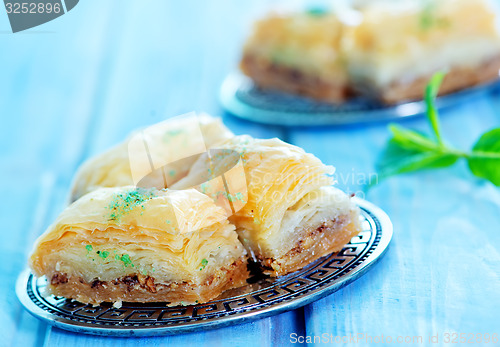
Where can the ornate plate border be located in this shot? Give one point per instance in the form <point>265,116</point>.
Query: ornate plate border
<point>241,98</point>
<point>262,299</point>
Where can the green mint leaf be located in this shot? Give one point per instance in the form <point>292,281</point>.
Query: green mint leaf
<point>431,92</point>
<point>409,150</point>
<point>484,161</point>
<point>397,160</point>
<point>413,140</point>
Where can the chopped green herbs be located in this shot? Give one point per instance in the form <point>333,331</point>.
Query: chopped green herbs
<point>426,19</point>
<point>126,260</point>
<point>429,18</point>
<point>124,203</point>
<point>317,11</point>
<point>204,263</point>
<point>171,133</point>
<point>103,254</point>
<point>238,196</point>
<point>204,187</point>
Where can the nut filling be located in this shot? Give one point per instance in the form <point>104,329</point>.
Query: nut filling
<point>139,288</point>
<point>329,237</point>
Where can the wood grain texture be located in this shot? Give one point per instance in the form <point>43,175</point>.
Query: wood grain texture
<point>81,83</point>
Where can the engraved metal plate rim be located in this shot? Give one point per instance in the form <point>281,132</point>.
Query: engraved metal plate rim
<point>282,112</point>
<point>374,248</point>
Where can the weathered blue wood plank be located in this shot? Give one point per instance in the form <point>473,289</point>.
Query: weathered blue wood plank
<point>265,332</point>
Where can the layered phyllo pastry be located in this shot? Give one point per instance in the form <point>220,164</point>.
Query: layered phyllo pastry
<point>141,245</point>
<point>156,156</point>
<point>397,47</point>
<point>292,215</point>
<point>384,50</point>
<point>298,53</point>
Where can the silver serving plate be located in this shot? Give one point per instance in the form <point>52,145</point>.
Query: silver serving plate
<point>266,297</point>
<point>243,99</point>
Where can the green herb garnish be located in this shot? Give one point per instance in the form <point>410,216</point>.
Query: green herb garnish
<point>123,203</point>
<point>430,19</point>
<point>88,248</point>
<point>103,254</point>
<point>171,133</point>
<point>317,11</point>
<point>204,263</point>
<point>125,258</point>
<point>409,150</point>
<point>204,187</point>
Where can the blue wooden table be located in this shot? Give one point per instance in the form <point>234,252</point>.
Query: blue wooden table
<point>79,84</point>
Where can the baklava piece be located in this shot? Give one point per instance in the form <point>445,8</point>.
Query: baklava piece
<point>298,53</point>
<point>156,156</point>
<point>141,245</point>
<point>292,215</point>
<point>393,52</point>
<point>383,50</point>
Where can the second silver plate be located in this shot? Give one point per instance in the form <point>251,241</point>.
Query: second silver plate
<point>264,298</point>
<point>243,99</point>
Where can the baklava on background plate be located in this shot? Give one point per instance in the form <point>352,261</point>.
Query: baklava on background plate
<point>299,54</point>
<point>398,46</point>
<point>383,50</point>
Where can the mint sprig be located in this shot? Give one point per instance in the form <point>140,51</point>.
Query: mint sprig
<point>409,150</point>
